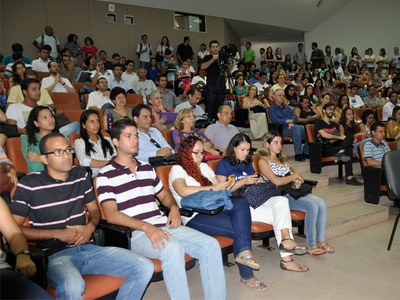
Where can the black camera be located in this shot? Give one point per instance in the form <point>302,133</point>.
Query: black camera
<point>227,52</point>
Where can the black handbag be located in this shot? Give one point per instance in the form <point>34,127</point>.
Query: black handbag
<point>157,161</point>
<point>304,190</point>
<point>258,109</point>
<point>257,194</point>
<point>9,130</point>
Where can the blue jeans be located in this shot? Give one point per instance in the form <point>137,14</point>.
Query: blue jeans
<point>234,224</point>
<point>70,128</point>
<point>297,132</point>
<point>316,214</point>
<point>198,245</point>
<point>14,285</point>
<point>66,267</point>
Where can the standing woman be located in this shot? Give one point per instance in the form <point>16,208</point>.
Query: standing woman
<point>40,122</point>
<point>120,111</point>
<point>190,176</point>
<point>275,168</point>
<point>93,149</point>
<point>274,211</point>
<point>258,118</point>
<point>165,50</point>
<point>269,57</point>
<point>279,57</point>
<point>328,56</point>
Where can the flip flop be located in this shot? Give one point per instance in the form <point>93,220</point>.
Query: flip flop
<point>325,246</point>
<point>297,250</point>
<point>301,268</point>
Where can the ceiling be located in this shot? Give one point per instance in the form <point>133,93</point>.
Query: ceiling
<point>255,20</point>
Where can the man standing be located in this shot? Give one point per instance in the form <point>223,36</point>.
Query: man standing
<point>283,115</point>
<point>40,64</point>
<point>55,83</point>
<point>394,60</point>
<point>222,131</point>
<point>317,56</point>
<point>215,88</point>
<point>184,51</point>
<point>335,143</point>
<point>101,97</point>
<point>300,58</point>
<point>151,141</point>
<point>56,201</point>
<point>127,190</point>
<point>144,52</point>
<point>48,39</point>
<point>169,98</point>
<point>249,55</point>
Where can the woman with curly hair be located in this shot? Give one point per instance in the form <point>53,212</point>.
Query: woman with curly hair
<point>190,176</point>
<point>93,149</point>
<point>41,121</point>
<point>18,70</point>
<point>274,210</point>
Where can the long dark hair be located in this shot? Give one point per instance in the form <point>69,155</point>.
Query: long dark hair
<point>31,128</point>
<point>105,145</point>
<point>15,77</point>
<point>343,120</point>
<point>236,141</point>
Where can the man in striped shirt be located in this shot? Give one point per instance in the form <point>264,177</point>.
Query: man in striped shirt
<point>377,147</point>
<point>127,190</point>
<point>56,200</point>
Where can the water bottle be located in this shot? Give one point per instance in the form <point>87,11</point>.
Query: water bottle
<point>109,120</point>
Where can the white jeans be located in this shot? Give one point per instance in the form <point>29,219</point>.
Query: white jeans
<point>277,213</point>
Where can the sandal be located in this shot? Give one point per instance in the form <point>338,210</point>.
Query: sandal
<point>301,268</point>
<point>297,250</point>
<point>325,246</point>
<point>316,250</point>
<point>247,261</point>
<point>257,285</point>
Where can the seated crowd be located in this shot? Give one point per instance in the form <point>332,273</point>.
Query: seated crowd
<point>106,161</point>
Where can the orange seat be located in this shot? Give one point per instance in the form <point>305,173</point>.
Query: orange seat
<point>74,115</point>
<point>14,153</point>
<point>133,99</point>
<point>66,101</point>
<point>78,85</point>
<point>41,75</point>
<point>167,136</point>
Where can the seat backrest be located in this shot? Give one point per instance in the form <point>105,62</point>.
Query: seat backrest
<point>66,100</point>
<point>379,113</point>
<point>167,136</point>
<point>78,85</point>
<point>240,101</point>
<point>359,112</point>
<point>392,145</point>
<point>310,133</point>
<point>14,153</point>
<point>41,75</point>
<point>163,174</point>
<point>391,163</point>
<point>74,115</point>
<point>213,164</point>
<point>256,158</point>
<point>133,99</point>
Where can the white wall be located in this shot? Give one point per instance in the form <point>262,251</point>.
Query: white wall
<point>290,48</point>
<point>362,24</point>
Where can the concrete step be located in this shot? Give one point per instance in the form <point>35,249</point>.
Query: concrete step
<point>337,193</point>
<point>352,216</point>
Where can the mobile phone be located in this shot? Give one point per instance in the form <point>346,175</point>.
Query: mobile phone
<point>231,177</point>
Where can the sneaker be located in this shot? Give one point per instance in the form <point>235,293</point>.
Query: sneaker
<point>298,157</point>
<point>341,156</point>
<point>353,181</point>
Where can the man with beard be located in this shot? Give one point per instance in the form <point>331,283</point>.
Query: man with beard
<point>55,83</point>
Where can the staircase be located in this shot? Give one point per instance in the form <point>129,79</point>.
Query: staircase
<point>347,210</point>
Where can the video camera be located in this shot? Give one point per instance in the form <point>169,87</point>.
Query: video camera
<point>226,52</point>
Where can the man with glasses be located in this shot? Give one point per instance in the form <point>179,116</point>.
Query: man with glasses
<point>55,201</point>
<point>151,141</point>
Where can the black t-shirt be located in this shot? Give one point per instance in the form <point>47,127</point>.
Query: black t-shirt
<point>214,72</point>
<point>321,124</point>
<point>185,52</point>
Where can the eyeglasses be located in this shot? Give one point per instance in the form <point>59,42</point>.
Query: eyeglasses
<point>198,153</point>
<point>60,152</point>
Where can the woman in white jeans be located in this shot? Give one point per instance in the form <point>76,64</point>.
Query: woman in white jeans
<point>275,210</point>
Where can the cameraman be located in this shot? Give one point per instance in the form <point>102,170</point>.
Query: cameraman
<point>215,88</point>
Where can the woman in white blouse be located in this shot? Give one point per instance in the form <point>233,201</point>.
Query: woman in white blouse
<point>93,149</point>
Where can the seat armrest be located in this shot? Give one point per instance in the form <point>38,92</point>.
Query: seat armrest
<point>116,228</point>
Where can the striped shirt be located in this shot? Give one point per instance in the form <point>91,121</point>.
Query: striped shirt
<point>134,192</point>
<point>53,204</point>
<point>375,151</point>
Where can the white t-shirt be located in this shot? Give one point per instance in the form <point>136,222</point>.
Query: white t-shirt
<point>108,75</point>
<point>145,56</point>
<point>144,88</point>
<point>130,78</point>
<point>179,172</point>
<point>261,87</point>
<point>356,101</point>
<point>39,65</point>
<point>58,88</point>
<point>52,41</point>
<point>161,48</point>
<point>97,99</point>
<point>19,112</point>
<point>3,263</point>
<point>387,111</point>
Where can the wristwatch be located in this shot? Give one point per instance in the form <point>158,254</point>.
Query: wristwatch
<point>24,252</point>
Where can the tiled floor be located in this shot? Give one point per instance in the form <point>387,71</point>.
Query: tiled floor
<point>361,268</point>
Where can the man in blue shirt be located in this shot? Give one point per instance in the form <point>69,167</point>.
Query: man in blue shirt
<point>283,115</point>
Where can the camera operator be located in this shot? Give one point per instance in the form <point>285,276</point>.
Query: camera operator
<point>215,88</point>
